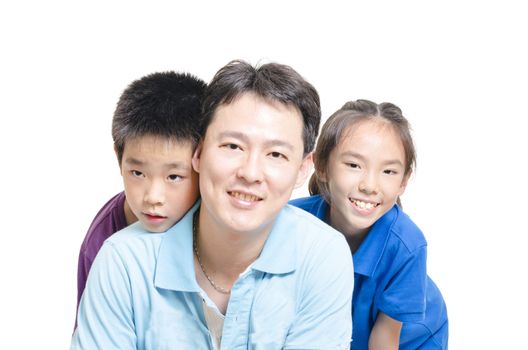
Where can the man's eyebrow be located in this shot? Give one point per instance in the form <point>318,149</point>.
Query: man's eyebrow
<point>269,143</point>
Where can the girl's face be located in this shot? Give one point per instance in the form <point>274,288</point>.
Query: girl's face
<point>365,175</point>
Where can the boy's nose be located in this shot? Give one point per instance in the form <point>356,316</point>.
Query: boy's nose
<point>155,194</point>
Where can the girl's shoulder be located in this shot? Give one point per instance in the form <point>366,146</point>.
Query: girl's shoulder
<point>315,205</point>
<point>403,229</point>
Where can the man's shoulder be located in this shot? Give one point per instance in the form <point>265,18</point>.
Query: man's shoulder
<point>135,240</point>
<point>307,228</point>
<point>305,218</point>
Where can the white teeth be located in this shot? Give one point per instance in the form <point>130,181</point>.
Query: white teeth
<point>364,205</point>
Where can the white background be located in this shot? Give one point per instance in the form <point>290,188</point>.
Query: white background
<point>457,69</point>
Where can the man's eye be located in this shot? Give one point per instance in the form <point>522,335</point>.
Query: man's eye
<point>232,146</point>
<point>277,155</point>
<point>175,178</point>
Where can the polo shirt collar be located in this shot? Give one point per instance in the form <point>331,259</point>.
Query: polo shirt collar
<point>279,254</point>
<point>370,252</point>
<point>175,266</point>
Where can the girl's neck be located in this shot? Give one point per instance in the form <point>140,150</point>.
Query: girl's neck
<point>353,236</point>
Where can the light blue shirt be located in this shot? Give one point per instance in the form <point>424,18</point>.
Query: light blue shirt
<point>142,291</point>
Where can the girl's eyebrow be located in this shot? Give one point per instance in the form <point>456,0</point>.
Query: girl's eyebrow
<point>361,157</point>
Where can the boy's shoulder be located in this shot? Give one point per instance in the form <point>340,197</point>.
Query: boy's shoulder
<point>109,219</point>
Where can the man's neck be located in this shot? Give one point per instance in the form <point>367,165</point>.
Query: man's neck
<point>226,252</point>
<point>223,256</point>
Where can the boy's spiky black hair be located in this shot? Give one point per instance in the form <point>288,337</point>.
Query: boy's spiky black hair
<point>164,104</point>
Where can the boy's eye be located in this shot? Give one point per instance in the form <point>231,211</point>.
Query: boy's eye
<point>136,173</point>
<point>175,178</point>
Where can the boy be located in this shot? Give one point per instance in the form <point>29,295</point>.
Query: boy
<point>155,130</point>
<point>241,270</point>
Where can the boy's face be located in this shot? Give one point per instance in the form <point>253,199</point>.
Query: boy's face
<point>249,162</point>
<point>160,183</point>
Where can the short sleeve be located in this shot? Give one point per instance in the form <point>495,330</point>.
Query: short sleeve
<point>403,298</point>
<point>324,319</point>
<point>105,318</point>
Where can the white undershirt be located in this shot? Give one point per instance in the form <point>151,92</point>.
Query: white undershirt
<point>214,318</point>
<point>215,322</point>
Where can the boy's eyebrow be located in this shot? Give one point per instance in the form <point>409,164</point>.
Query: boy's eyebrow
<point>359,156</point>
<point>245,138</point>
<point>133,161</point>
<point>177,165</point>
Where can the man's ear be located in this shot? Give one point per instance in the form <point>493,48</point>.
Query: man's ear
<point>304,170</point>
<point>405,180</point>
<point>196,157</point>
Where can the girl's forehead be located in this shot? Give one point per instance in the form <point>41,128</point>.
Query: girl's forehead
<point>374,125</point>
<point>374,139</point>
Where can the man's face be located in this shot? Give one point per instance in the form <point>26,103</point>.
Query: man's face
<point>160,184</point>
<point>249,162</point>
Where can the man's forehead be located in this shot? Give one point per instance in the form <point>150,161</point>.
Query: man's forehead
<point>248,98</point>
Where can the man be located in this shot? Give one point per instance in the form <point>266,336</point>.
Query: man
<point>241,269</point>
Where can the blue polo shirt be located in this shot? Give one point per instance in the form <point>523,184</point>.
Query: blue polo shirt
<point>390,276</point>
<point>142,292</point>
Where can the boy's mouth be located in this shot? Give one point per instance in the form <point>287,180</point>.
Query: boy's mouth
<point>154,216</point>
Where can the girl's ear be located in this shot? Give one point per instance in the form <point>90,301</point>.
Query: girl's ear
<point>320,174</point>
<point>405,180</point>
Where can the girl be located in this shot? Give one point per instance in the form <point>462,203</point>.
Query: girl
<point>363,160</point>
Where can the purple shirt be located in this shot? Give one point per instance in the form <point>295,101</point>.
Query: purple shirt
<point>110,219</point>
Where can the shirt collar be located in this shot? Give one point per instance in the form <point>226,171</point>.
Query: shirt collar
<point>175,266</point>
<point>368,256</point>
<point>279,254</point>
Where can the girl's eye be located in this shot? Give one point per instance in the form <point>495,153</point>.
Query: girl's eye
<point>353,165</point>
<point>136,173</point>
<point>175,178</point>
<point>390,172</point>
